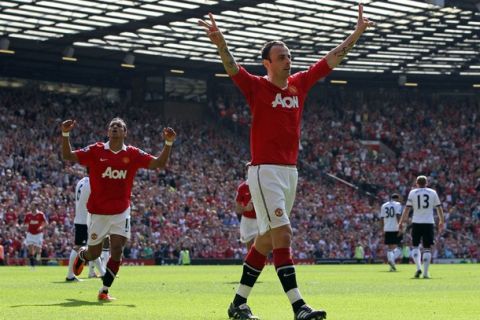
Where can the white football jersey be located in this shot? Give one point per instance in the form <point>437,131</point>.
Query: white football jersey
<point>423,201</point>
<point>82,192</point>
<point>389,212</point>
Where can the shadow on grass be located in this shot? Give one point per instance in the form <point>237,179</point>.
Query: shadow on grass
<point>236,282</point>
<point>76,303</point>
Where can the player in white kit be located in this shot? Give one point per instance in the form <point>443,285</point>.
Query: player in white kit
<point>390,213</point>
<point>423,201</point>
<point>81,220</point>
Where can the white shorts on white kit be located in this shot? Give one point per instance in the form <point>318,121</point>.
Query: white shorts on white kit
<point>248,229</point>
<point>34,239</point>
<point>103,225</point>
<point>273,189</point>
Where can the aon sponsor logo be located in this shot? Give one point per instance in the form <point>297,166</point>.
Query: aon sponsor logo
<point>287,102</point>
<point>114,174</point>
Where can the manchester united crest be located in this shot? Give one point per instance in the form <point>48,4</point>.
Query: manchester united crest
<point>278,212</point>
<point>126,160</point>
<point>93,236</point>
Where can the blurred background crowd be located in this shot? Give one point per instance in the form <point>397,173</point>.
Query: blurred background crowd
<point>376,141</point>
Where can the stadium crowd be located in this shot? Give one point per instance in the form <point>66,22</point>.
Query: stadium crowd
<point>191,203</point>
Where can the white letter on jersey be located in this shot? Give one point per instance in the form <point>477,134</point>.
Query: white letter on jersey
<point>114,174</point>
<point>287,102</point>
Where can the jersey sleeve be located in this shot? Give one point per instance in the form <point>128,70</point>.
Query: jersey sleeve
<point>317,71</point>
<point>85,155</point>
<point>381,215</point>
<point>238,196</point>
<point>245,82</point>
<point>143,158</point>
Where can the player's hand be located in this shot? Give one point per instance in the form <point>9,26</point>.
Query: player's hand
<point>363,23</point>
<point>213,33</point>
<point>169,134</point>
<point>68,125</point>
<point>249,206</point>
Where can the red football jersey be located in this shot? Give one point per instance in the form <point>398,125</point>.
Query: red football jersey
<point>10,217</point>
<point>111,176</point>
<point>276,113</point>
<point>244,197</point>
<point>34,221</point>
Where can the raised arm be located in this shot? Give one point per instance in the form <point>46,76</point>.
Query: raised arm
<point>335,56</point>
<point>67,153</point>
<point>216,37</point>
<point>161,161</point>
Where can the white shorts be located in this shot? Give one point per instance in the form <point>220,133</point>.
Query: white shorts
<point>34,239</point>
<point>273,189</point>
<point>104,225</point>
<point>248,229</point>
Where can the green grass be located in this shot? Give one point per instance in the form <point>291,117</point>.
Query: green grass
<point>204,292</point>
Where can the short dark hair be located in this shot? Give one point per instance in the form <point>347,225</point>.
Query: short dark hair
<point>118,119</point>
<point>268,46</point>
<point>395,196</point>
<point>422,181</point>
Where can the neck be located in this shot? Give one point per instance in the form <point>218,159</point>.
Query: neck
<point>277,81</point>
<point>116,144</point>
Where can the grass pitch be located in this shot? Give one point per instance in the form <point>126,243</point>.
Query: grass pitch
<point>347,292</point>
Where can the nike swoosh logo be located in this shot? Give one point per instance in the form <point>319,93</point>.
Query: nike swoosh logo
<point>288,274</point>
<point>102,159</point>
<point>252,275</point>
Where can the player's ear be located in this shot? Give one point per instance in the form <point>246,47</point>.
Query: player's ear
<point>266,63</point>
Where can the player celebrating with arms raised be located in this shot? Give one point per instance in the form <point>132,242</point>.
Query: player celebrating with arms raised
<point>276,102</point>
<point>112,167</point>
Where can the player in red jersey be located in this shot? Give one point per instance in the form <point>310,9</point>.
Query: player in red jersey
<point>35,221</point>
<point>112,167</point>
<point>276,103</point>
<point>246,212</point>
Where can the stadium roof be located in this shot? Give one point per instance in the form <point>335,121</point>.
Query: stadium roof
<point>410,37</point>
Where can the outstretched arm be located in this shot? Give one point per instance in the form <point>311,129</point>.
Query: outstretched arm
<point>161,161</point>
<point>67,153</point>
<point>335,56</point>
<point>217,39</point>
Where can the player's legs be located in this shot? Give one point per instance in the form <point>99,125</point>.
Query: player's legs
<point>273,195</point>
<point>416,254</point>
<point>428,241</point>
<point>80,240</point>
<point>117,243</point>
<point>31,255</point>
<point>119,234</point>
<point>252,267</point>
<point>105,254</point>
<point>391,256</point>
<point>34,246</point>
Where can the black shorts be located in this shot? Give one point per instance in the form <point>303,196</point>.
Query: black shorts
<point>392,237</point>
<point>81,234</point>
<point>425,232</point>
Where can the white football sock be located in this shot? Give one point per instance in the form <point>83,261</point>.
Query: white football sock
<point>397,253</point>
<point>99,266</point>
<point>390,257</point>
<point>105,256</point>
<point>427,257</point>
<point>417,258</point>
<point>91,268</point>
<point>73,255</point>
